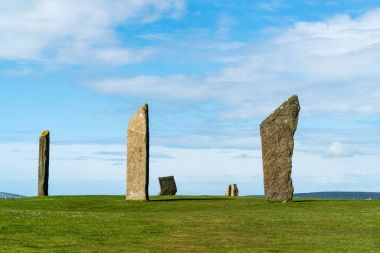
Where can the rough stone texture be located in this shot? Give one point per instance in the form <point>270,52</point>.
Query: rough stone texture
<point>167,186</point>
<point>43,164</point>
<point>232,190</point>
<point>277,132</point>
<point>138,156</point>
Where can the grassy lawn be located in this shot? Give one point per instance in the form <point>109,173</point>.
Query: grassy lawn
<point>187,224</point>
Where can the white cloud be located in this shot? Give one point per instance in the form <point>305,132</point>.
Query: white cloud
<point>76,31</point>
<point>173,87</point>
<point>312,172</point>
<point>338,149</point>
<point>332,65</point>
<point>342,33</point>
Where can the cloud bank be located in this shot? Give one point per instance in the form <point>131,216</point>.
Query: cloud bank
<point>77,32</point>
<point>331,64</point>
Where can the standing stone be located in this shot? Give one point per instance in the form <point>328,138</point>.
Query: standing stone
<point>232,190</point>
<point>167,186</point>
<point>138,156</point>
<point>43,164</point>
<point>277,132</point>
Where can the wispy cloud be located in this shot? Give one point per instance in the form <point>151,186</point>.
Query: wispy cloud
<point>245,156</point>
<point>271,6</point>
<point>225,23</point>
<point>77,31</point>
<point>324,62</point>
<point>173,87</point>
<point>110,153</point>
<point>338,149</point>
<point>159,156</point>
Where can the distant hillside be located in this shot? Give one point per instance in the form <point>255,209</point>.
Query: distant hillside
<point>340,195</point>
<point>4,195</point>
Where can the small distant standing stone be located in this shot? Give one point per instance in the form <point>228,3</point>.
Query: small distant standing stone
<point>43,164</point>
<point>232,190</point>
<point>277,139</point>
<point>138,156</point>
<point>167,185</point>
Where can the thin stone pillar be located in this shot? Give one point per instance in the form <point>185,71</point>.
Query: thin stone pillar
<point>43,164</point>
<point>138,156</point>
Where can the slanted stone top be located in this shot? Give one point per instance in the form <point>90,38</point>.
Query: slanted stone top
<point>290,108</point>
<point>45,133</point>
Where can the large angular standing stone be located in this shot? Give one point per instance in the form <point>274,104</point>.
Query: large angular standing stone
<point>277,132</point>
<point>232,190</point>
<point>138,156</point>
<point>43,164</point>
<point>167,186</point>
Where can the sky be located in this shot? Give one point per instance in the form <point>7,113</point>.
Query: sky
<point>211,72</point>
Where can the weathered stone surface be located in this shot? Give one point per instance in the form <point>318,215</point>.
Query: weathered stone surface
<point>232,190</point>
<point>138,156</point>
<point>167,186</point>
<point>43,164</point>
<point>277,132</point>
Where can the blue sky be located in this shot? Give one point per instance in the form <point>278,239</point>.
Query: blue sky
<point>211,71</point>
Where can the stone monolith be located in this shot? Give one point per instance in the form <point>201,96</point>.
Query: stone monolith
<point>277,132</point>
<point>232,190</point>
<point>43,164</point>
<point>138,156</point>
<point>167,186</point>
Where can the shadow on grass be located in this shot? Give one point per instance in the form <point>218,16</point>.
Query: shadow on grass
<point>187,199</point>
<point>308,200</point>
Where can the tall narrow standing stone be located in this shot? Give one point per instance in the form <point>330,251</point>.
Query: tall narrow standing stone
<point>277,132</point>
<point>138,156</point>
<point>43,164</point>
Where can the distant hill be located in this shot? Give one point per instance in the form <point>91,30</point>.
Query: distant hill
<point>340,195</point>
<point>4,195</point>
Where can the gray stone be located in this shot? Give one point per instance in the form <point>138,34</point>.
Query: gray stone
<point>277,140</point>
<point>138,156</point>
<point>232,190</point>
<point>43,164</point>
<point>167,186</point>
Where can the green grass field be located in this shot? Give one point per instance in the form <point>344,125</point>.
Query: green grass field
<point>187,224</point>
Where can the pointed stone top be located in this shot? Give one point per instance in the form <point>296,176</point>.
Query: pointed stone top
<point>141,111</point>
<point>290,106</point>
<point>144,107</point>
<point>45,133</point>
<point>293,98</point>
